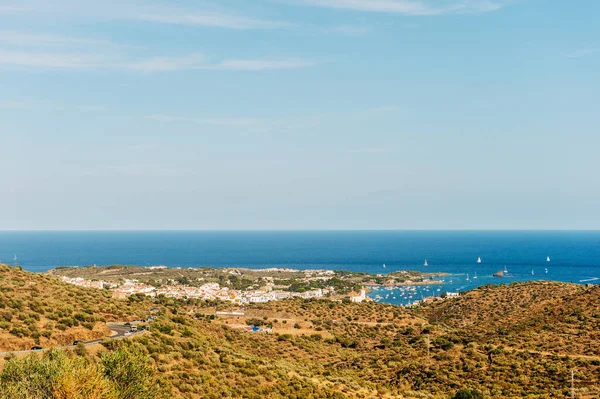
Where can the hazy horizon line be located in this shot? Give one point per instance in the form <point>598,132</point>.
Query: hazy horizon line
<point>305,230</point>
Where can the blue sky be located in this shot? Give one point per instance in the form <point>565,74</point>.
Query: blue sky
<point>299,114</point>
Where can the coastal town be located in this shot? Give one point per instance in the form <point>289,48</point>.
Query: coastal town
<point>238,286</point>
<point>208,291</point>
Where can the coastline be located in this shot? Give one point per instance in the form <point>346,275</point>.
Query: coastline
<point>238,285</point>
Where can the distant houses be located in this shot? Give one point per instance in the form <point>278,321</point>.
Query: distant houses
<point>205,291</point>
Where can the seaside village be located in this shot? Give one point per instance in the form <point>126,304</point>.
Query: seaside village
<point>210,291</point>
<point>269,291</point>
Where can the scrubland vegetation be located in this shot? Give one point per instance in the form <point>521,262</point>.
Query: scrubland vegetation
<point>40,310</point>
<point>512,341</point>
<point>121,374</point>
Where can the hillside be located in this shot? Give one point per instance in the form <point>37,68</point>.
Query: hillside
<point>40,310</point>
<point>325,349</point>
<point>541,316</point>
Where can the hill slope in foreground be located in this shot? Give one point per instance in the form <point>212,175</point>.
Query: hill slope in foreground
<point>513,341</point>
<point>40,310</point>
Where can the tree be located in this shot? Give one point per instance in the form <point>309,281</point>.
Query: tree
<point>468,394</point>
<point>131,372</point>
<point>80,349</point>
<point>54,375</point>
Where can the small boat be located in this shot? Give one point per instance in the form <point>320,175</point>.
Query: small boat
<point>547,259</point>
<point>532,273</point>
<point>479,260</point>
<point>467,276</point>
<point>475,276</point>
<point>15,257</point>
<point>505,270</point>
<point>384,265</point>
<point>425,264</point>
<point>546,270</point>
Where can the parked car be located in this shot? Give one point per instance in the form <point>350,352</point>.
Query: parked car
<point>36,348</point>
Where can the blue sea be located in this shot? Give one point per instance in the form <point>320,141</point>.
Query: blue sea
<point>574,255</point>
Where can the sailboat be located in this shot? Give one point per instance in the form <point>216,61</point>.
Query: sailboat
<point>505,270</point>
<point>15,257</point>
<point>425,264</point>
<point>547,259</point>
<point>479,260</point>
<point>384,265</point>
<point>475,276</point>
<point>467,276</point>
<point>546,270</point>
<point>532,273</point>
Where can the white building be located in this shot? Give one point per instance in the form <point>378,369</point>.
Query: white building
<point>360,297</point>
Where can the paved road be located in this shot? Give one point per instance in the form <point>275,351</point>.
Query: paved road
<point>120,331</point>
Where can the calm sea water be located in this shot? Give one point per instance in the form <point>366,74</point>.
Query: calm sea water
<point>575,256</point>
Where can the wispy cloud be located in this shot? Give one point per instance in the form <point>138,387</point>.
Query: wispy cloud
<point>168,118</point>
<point>381,109</point>
<point>582,53</point>
<point>204,14</point>
<point>371,150</point>
<point>234,122</point>
<point>410,7</point>
<point>85,61</point>
<point>348,30</point>
<point>48,60</point>
<point>213,19</point>
<point>167,64</point>
<point>260,65</point>
<point>198,62</point>
<point>15,38</point>
<point>13,9</point>
<point>14,105</point>
<point>51,105</point>
<point>91,108</point>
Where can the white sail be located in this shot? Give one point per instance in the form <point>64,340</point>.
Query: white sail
<point>425,264</point>
<point>505,270</point>
<point>532,273</point>
<point>475,276</point>
<point>384,265</point>
<point>547,259</point>
<point>479,260</point>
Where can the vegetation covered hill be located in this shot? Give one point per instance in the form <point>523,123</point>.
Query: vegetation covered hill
<point>40,310</point>
<point>540,316</point>
<point>326,349</point>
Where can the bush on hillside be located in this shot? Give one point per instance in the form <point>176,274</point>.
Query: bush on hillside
<point>468,394</point>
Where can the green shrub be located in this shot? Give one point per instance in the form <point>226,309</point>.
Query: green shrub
<point>468,394</point>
